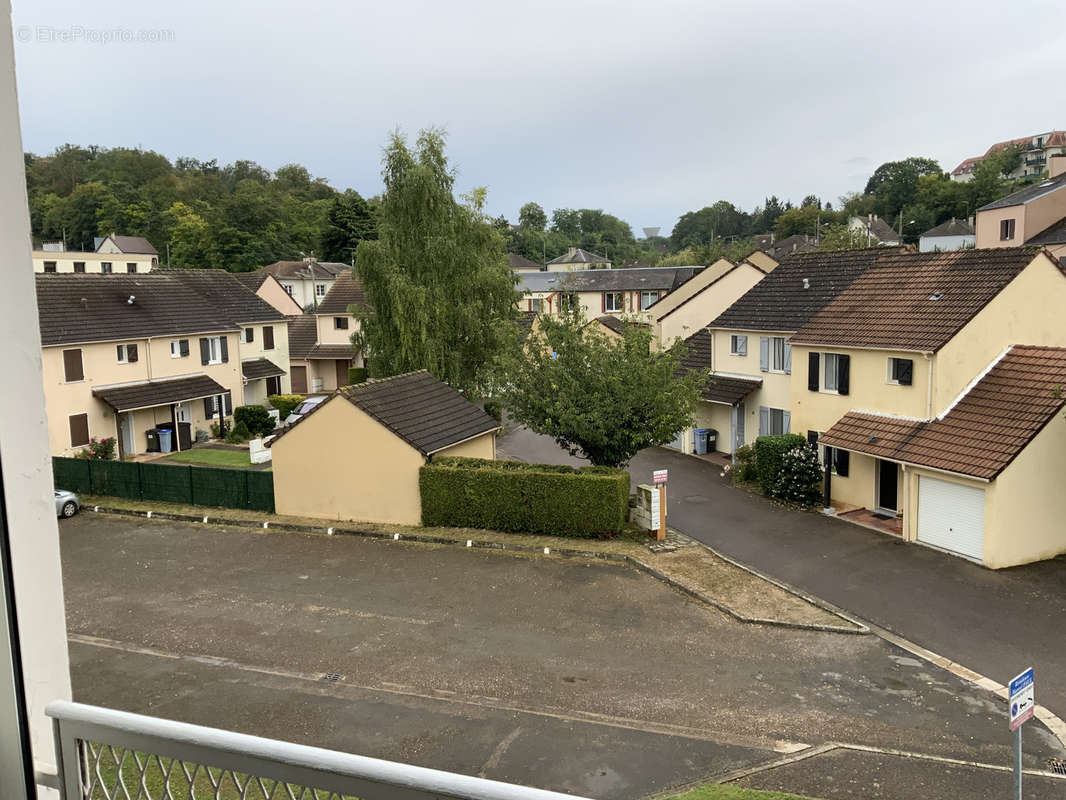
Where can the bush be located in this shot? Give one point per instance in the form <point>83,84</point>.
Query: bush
<point>494,409</point>
<point>799,477</point>
<point>744,463</point>
<point>99,449</point>
<point>768,453</point>
<point>202,436</point>
<point>285,403</point>
<point>586,502</point>
<point>356,375</point>
<point>238,434</point>
<point>255,418</point>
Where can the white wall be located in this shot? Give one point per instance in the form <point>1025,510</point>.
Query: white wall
<point>27,469</point>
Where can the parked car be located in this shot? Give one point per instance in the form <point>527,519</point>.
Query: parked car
<point>304,408</point>
<point>67,503</point>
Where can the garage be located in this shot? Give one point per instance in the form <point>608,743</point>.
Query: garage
<point>951,517</point>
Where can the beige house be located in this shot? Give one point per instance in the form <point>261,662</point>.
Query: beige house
<point>54,259</point>
<point>321,350</point>
<point>629,291</point>
<point>577,259</point>
<point>910,344</point>
<point>1034,215</point>
<point>270,290</point>
<point>701,298</point>
<point>306,281</point>
<point>357,455</point>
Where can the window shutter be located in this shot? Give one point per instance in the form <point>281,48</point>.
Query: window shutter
<point>742,345</point>
<point>72,366</point>
<point>183,347</point>
<point>268,337</point>
<point>812,437</point>
<point>788,358</point>
<point>208,408</point>
<point>603,302</point>
<point>223,344</point>
<point>79,430</point>
<point>841,459</point>
<point>764,420</point>
<point>843,374</point>
<point>249,335</point>
<point>764,354</point>
<point>228,403</point>
<point>812,372</point>
<point>906,371</point>
<point>205,351</point>
<point>786,422</point>
<point>131,353</point>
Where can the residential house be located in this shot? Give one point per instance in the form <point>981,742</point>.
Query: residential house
<point>611,326</point>
<point>139,258</point>
<point>749,342</point>
<point>357,455</point>
<point>907,355</point>
<point>320,344</point>
<point>705,295</point>
<point>519,263</point>
<point>126,245</point>
<point>575,259</point>
<point>878,232</point>
<point>308,280</point>
<point>598,292</point>
<point>955,234</point>
<point>1036,152</point>
<point>269,289</point>
<point>796,243</point>
<point>123,354</point>
<point>1035,214</point>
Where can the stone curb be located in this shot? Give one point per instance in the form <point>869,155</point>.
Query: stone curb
<point>621,558</point>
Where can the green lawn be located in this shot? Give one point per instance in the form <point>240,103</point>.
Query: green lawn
<point>716,791</point>
<point>237,459</point>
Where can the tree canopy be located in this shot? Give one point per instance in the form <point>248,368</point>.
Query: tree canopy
<point>439,293</point>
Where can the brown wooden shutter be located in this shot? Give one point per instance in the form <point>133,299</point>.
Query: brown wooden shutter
<point>183,347</point>
<point>249,335</point>
<point>205,351</point>
<point>268,337</point>
<point>224,345</point>
<point>72,367</point>
<point>131,353</point>
<point>79,430</point>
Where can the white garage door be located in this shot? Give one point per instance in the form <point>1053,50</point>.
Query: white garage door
<point>951,517</point>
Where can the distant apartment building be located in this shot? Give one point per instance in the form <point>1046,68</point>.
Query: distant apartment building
<point>1036,150</point>
<point>113,254</point>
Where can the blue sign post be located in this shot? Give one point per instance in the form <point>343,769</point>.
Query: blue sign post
<point>1020,706</point>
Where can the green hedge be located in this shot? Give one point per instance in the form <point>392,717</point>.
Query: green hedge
<point>356,375</point>
<point>586,502</point>
<point>768,453</point>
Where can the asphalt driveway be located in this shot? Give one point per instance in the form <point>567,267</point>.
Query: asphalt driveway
<point>997,622</point>
<point>583,677</point>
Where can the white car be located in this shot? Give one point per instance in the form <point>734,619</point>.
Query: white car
<point>304,408</point>
<point>67,503</point>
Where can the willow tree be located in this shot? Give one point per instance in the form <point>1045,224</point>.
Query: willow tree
<point>439,294</point>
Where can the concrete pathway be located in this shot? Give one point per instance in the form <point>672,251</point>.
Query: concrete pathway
<point>994,622</point>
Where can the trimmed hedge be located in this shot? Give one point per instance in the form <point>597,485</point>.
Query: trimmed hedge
<point>769,451</point>
<point>285,403</point>
<point>584,502</point>
<point>356,375</point>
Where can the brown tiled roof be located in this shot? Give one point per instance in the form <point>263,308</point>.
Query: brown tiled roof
<point>234,300</point>
<point>796,243</point>
<point>781,302</point>
<point>134,244</point>
<point>160,392</point>
<point>303,335</point>
<point>697,351</point>
<point>516,261</point>
<point>982,433</point>
<point>326,270</point>
<point>617,324</point>
<point>332,351</point>
<point>953,227</point>
<point>729,389</point>
<point>427,414</point>
<point>525,321</point>
<point>256,368</point>
<point>253,280</point>
<point>880,229</point>
<point>892,304</point>
<point>75,308</point>
<point>346,291</point>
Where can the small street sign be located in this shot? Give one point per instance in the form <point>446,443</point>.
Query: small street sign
<point>1021,702</point>
<point>658,477</point>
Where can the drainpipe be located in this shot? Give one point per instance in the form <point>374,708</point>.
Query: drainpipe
<point>906,500</point>
<point>828,489</point>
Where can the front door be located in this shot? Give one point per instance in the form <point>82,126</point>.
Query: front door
<point>738,426</point>
<point>342,373</point>
<point>299,380</point>
<point>125,431</point>
<point>887,486</point>
<point>182,413</point>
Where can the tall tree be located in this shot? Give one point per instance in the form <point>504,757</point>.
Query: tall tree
<point>439,295</point>
<point>349,221</point>
<point>532,217</point>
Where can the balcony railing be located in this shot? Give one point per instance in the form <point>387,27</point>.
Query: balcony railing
<point>104,754</point>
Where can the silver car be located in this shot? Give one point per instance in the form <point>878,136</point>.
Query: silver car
<point>67,503</point>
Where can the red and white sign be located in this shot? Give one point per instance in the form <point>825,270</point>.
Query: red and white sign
<point>658,477</point>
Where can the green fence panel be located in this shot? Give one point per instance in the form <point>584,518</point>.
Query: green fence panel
<point>213,486</point>
<point>260,491</point>
<point>166,483</point>
<point>71,474</point>
<point>116,478</point>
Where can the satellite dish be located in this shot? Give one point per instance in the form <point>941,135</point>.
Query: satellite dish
<point>651,232</point>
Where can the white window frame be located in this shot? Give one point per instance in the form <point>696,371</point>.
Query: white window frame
<point>175,348</point>
<point>647,298</point>
<point>214,350</point>
<point>891,381</point>
<point>122,353</point>
<point>320,290</point>
<point>288,287</point>
<point>536,305</point>
<point>834,359</point>
<point>777,349</point>
<point>245,333</point>
<point>609,304</point>
<point>738,344</point>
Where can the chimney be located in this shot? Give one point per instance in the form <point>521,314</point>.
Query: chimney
<point>571,252</point>
<point>1056,165</point>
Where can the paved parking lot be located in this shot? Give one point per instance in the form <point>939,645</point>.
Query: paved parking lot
<point>584,677</point>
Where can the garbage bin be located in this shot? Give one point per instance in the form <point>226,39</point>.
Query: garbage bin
<point>153,441</point>
<point>700,442</point>
<point>165,439</point>
<point>712,439</point>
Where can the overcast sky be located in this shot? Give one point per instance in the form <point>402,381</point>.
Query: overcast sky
<point>646,110</point>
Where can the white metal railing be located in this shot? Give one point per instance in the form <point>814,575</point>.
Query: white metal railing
<point>103,754</point>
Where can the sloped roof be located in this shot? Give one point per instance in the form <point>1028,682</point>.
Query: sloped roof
<point>698,351</point>
<point>91,307</point>
<point>607,280</point>
<point>892,304</point>
<point>953,227</point>
<point>145,394</point>
<point>303,335</point>
<point>982,433</point>
<point>253,280</point>
<point>1028,194</point>
<point>135,245</point>
<point>729,389</point>
<point>579,256</point>
<point>796,243</point>
<point>516,261</point>
<point>347,290</point>
<point>231,297</point>
<point>256,368</point>
<point>324,270</point>
<point>426,413</point>
<point>1053,234</point>
<point>781,302</point>
<point>878,228</point>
